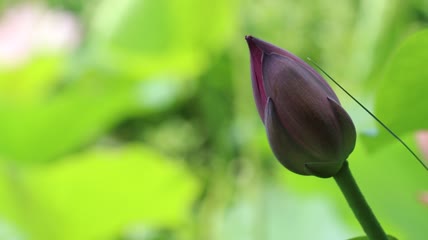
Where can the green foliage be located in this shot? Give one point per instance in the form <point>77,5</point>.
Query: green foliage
<point>147,38</point>
<point>392,184</point>
<point>147,129</point>
<point>109,190</point>
<point>403,88</point>
<point>67,121</point>
<point>365,238</point>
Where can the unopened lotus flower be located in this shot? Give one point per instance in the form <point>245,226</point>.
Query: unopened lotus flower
<point>308,130</point>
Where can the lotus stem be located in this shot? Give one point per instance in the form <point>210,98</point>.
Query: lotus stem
<point>358,204</point>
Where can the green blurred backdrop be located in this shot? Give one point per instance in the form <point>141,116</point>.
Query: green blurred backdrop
<point>134,119</point>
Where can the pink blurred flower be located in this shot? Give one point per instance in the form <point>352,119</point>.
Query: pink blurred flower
<point>28,29</point>
<point>422,141</point>
<point>424,198</point>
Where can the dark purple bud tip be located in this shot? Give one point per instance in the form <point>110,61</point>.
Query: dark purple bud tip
<point>308,130</point>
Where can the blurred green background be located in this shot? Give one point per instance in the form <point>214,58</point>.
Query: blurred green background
<point>134,119</point>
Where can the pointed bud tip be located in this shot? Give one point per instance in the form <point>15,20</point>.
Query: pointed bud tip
<point>256,42</point>
<point>249,39</point>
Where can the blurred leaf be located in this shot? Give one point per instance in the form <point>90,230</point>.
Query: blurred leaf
<point>271,212</point>
<point>12,204</point>
<point>392,180</point>
<point>98,194</point>
<point>31,82</point>
<point>75,6</point>
<point>67,121</point>
<point>402,95</point>
<point>366,238</point>
<point>175,36</point>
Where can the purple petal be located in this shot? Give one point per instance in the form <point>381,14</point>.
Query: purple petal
<point>268,48</point>
<point>256,55</point>
<point>289,154</point>
<point>302,106</point>
<point>347,129</point>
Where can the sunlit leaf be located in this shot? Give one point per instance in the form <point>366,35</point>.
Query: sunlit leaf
<point>70,119</point>
<point>31,82</point>
<point>392,181</point>
<point>402,95</point>
<point>99,194</point>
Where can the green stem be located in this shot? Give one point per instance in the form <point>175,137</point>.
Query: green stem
<point>358,204</point>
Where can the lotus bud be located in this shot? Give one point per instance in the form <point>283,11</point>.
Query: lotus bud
<point>308,130</point>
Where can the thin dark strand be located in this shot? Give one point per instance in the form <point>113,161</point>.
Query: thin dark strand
<point>371,114</point>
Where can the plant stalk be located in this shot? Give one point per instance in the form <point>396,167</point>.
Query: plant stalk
<point>358,204</point>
